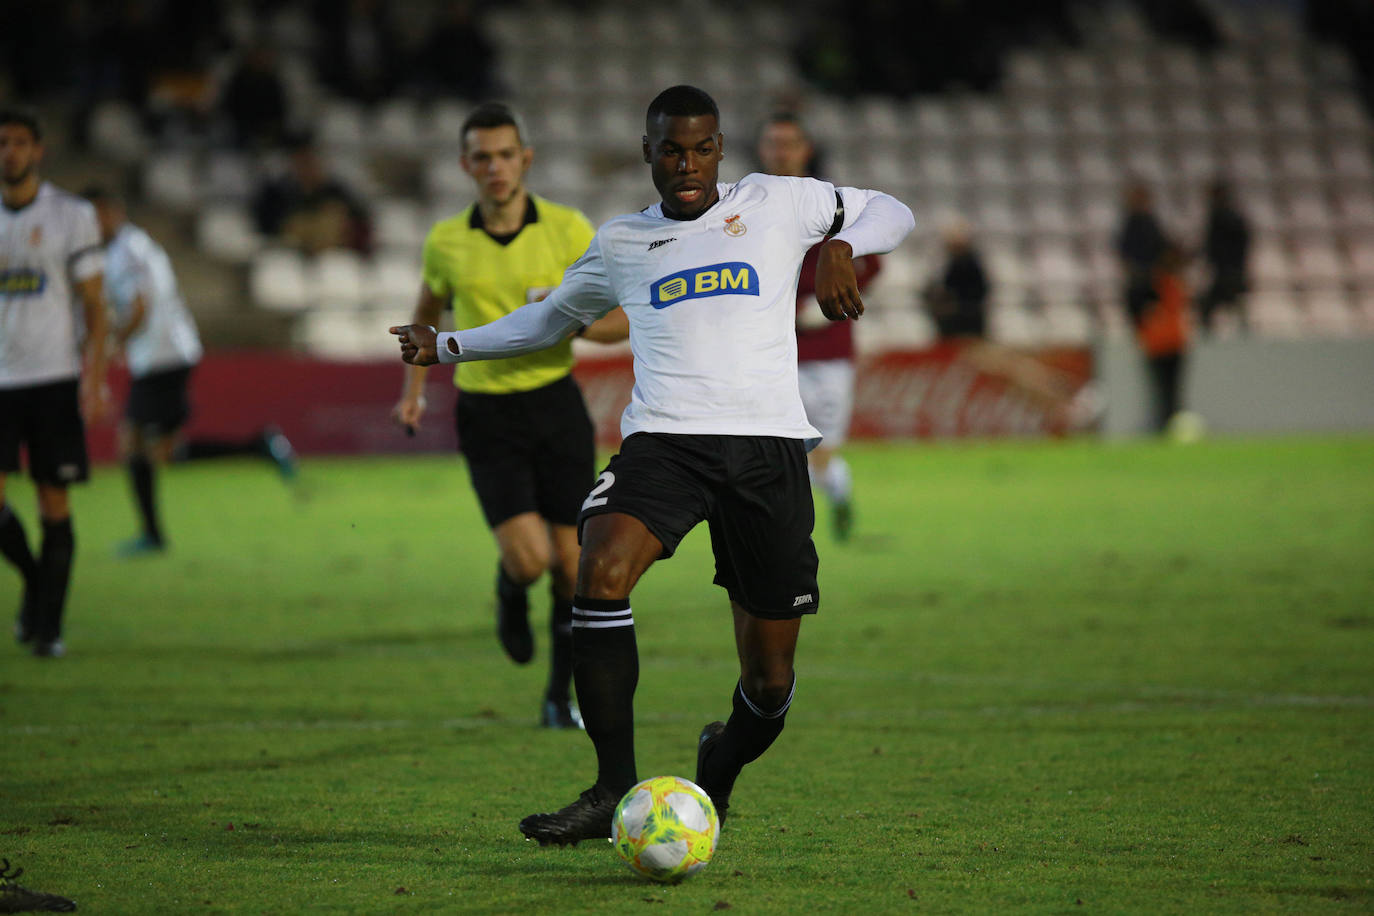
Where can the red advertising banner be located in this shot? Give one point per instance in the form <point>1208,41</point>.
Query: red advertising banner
<point>324,407</point>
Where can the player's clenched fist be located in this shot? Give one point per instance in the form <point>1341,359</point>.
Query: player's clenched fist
<point>837,289</point>
<point>418,344</point>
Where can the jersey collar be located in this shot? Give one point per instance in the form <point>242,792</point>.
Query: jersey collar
<point>475,220</point>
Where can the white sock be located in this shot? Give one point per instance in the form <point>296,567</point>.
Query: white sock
<point>838,482</point>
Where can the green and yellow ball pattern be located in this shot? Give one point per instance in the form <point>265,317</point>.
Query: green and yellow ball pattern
<point>665,828</point>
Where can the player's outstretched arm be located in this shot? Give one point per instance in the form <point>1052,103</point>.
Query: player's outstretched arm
<point>531,327</point>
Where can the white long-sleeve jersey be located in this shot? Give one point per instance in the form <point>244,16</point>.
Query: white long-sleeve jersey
<point>711,303</point>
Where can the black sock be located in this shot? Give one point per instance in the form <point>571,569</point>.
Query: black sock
<point>560,650</point>
<point>14,544</point>
<point>748,733</point>
<point>606,672</point>
<point>141,476</point>
<point>54,574</point>
<point>513,596</point>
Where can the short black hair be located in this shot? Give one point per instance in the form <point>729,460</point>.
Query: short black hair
<point>786,116</point>
<point>493,114</point>
<point>23,118</point>
<point>682,102</point>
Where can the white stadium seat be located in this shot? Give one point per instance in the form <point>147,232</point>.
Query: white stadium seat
<point>226,231</point>
<point>277,281</point>
<point>336,279</point>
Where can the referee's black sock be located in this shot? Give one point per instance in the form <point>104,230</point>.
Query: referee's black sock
<point>560,650</point>
<point>748,733</point>
<point>54,574</point>
<point>14,543</point>
<point>606,672</point>
<point>141,476</point>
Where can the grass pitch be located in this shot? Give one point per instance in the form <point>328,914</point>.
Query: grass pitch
<point>1046,678</point>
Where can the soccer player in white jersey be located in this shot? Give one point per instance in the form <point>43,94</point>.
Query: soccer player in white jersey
<point>162,347</point>
<point>52,367</point>
<point>715,430</point>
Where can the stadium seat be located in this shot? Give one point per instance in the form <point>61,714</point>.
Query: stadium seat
<point>171,178</point>
<point>336,279</point>
<point>392,284</point>
<point>340,126</point>
<point>398,224</point>
<point>1014,325</point>
<point>395,126</point>
<point>229,175</point>
<point>277,281</point>
<point>1274,314</point>
<point>116,131</point>
<point>226,231</point>
<point>1328,313</point>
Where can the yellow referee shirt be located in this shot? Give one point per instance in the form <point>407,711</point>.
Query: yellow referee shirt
<point>485,278</point>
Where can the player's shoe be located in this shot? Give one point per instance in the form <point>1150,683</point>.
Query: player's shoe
<point>23,623</point>
<point>17,899</point>
<point>140,546</point>
<point>588,818</point>
<point>48,648</point>
<point>706,742</point>
<point>278,450</point>
<point>842,519</point>
<point>513,621</point>
<point>560,714</point>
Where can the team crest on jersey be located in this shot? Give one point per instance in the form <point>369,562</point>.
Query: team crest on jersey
<point>733,278</point>
<point>735,226</point>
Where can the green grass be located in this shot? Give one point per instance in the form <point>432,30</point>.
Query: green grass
<point>1046,678</point>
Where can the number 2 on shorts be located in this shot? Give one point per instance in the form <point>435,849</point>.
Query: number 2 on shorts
<point>594,498</point>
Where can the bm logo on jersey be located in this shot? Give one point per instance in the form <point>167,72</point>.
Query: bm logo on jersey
<point>734,278</point>
<point>23,281</point>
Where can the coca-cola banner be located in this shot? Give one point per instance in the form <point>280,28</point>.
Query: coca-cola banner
<point>344,408</point>
<point>950,390</point>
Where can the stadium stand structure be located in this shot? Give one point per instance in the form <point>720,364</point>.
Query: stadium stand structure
<point>1037,166</point>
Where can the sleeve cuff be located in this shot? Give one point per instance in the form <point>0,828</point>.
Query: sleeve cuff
<point>450,350</point>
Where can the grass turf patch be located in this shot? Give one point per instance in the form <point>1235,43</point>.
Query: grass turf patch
<point>1045,677</point>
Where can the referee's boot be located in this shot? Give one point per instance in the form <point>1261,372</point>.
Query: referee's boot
<point>588,818</point>
<point>706,743</point>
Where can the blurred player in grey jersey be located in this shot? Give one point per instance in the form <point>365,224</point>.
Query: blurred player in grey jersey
<point>52,367</point>
<point>162,347</point>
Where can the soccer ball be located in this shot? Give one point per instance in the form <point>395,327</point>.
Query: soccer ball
<point>665,829</point>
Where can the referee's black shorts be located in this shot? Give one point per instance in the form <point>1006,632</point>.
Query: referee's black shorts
<point>47,420</point>
<point>530,451</point>
<point>158,403</point>
<point>755,495</point>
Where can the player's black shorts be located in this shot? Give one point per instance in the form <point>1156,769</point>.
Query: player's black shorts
<point>531,451</point>
<point>158,404</point>
<point>47,420</point>
<point>752,490</point>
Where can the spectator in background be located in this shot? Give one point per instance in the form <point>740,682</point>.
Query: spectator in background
<point>254,99</point>
<point>310,209</point>
<point>1162,329</point>
<point>1227,249</point>
<point>1141,244</point>
<point>958,300</point>
<point>457,59</point>
<point>957,303</point>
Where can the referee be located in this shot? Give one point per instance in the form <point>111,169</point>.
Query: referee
<point>522,424</point>
<point>52,367</point>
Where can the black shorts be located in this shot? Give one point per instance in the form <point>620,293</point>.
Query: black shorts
<point>531,451</point>
<point>752,490</point>
<point>158,404</point>
<point>46,419</point>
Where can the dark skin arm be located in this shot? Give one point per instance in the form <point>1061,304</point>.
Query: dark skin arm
<point>837,289</point>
